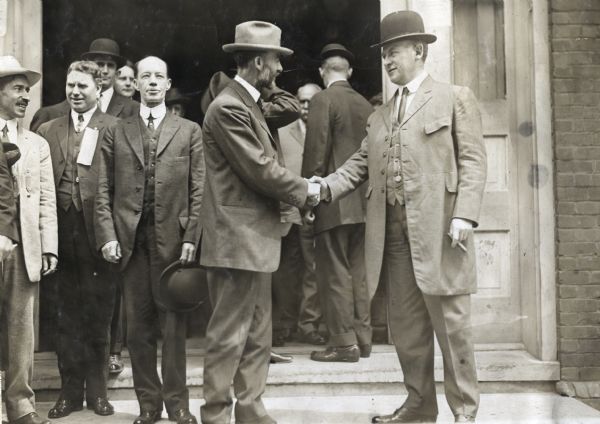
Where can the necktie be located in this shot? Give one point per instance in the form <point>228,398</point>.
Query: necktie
<point>79,127</point>
<point>100,102</point>
<point>260,104</point>
<point>402,108</point>
<point>11,158</point>
<point>5,134</point>
<point>151,122</point>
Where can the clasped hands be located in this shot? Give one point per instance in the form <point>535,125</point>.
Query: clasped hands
<point>318,191</point>
<point>111,252</point>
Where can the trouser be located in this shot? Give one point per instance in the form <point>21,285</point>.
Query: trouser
<point>86,301</point>
<point>310,304</point>
<point>414,317</point>
<point>141,279</point>
<point>18,299</point>
<point>117,325</point>
<point>287,281</point>
<point>341,277</point>
<point>238,346</point>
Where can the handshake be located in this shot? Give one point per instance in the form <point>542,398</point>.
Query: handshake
<point>318,191</point>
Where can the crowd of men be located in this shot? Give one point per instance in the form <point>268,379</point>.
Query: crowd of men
<point>268,197</point>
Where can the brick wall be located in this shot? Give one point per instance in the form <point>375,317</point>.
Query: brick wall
<point>575,43</point>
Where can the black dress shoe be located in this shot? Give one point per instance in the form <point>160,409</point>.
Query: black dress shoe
<point>64,407</point>
<point>101,406</point>
<point>277,358</point>
<point>115,364</point>
<point>313,338</point>
<point>337,354</point>
<point>183,416</point>
<point>31,418</point>
<point>280,337</point>
<point>365,350</point>
<point>147,417</point>
<point>404,415</point>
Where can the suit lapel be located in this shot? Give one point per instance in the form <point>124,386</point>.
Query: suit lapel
<point>133,134</point>
<point>115,106</point>
<point>169,128</point>
<point>387,111</point>
<point>62,134</point>
<point>255,110</point>
<point>297,133</point>
<point>423,96</point>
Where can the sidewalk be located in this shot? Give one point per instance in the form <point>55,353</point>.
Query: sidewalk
<point>526,408</point>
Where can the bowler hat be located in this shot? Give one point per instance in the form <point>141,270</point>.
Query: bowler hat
<point>11,153</point>
<point>106,47</point>
<point>174,96</point>
<point>335,49</point>
<point>403,25</point>
<point>182,288</point>
<point>9,66</point>
<point>257,36</point>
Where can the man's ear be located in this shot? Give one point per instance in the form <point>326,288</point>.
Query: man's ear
<point>419,50</point>
<point>135,84</point>
<point>169,82</point>
<point>321,72</point>
<point>259,62</point>
<point>350,73</point>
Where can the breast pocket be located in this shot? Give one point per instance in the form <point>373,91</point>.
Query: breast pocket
<point>437,124</point>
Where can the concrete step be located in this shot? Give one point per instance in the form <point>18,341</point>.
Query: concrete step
<point>513,408</point>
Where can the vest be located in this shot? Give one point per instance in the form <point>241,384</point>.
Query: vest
<point>394,183</point>
<point>150,144</point>
<point>68,192</point>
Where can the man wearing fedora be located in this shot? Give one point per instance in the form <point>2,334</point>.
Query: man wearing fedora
<point>335,127</point>
<point>36,255</point>
<point>425,159</point>
<point>85,285</point>
<point>147,216</point>
<point>242,227</point>
<point>107,55</point>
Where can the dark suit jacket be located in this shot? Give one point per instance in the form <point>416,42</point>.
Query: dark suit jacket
<point>179,182</point>
<point>56,133</point>
<point>245,181</point>
<point>337,121</point>
<point>8,211</point>
<point>119,106</point>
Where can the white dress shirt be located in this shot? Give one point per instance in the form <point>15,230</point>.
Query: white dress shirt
<point>254,93</point>
<point>158,113</point>
<point>12,129</point>
<point>86,117</point>
<point>105,98</point>
<point>412,86</point>
<point>335,80</point>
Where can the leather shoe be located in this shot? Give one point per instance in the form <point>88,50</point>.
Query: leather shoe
<point>31,418</point>
<point>64,407</point>
<point>147,417</point>
<point>365,350</point>
<point>277,358</point>
<point>115,364</point>
<point>461,418</point>
<point>313,338</point>
<point>404,415</point>
<point>101,406</point>
<point>337,354</point>
<point>183,416</point>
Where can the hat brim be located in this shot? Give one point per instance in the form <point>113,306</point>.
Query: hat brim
<point>32,76</point>
<point>427,38</point>
<point>245,47</point>
<point>119,60</point>
<point>338,52</point>
<point>164,299</point>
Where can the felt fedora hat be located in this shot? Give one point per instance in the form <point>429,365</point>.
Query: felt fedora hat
<point>335,49</point>
<point>175,96</point>
<point>217,83</point>
<point>106,47</point>
<point>182,288</point>
<point>403,25</point>
<point>10,66</point>
<point>257,36</point>
<point>11,153</point>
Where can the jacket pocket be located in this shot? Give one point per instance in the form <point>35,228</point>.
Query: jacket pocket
<point>451,182</point>
<point>369,190</point>
<point>437,124</point>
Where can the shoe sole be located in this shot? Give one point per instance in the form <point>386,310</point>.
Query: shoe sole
<point>53,417</point>
<point>335,360</point>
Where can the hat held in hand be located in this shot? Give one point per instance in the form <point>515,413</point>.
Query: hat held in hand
<point>182,288</point>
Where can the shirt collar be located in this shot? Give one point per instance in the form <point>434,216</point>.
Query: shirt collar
<point>12,129</point>
<point>158,112</point>
<point>254,93</point>
<point>86,116</point>
<point>415,83</point>
<point>336,80</point>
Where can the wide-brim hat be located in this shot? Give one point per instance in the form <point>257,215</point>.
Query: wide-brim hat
<point>403,25</point>
<point>257,36</point>
<point>175,96</point>
<point>182,288</point>
<point>335,49</point>
<point>9,66</point>
<point>105,47</point>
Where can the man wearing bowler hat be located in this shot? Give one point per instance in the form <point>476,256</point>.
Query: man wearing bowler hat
<point>242,227</point>
<point>107,55</point>
<point>36,255</point>
<point>336,124</point>
<point>425,159</point>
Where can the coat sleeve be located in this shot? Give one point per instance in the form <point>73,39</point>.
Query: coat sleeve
<point>48,219</point>
<point>196,186</point>
<point>231,125</point>
<point>280,108</point>
<point>471,155</point>
<point>8,225</point>
<point>103,217</point>
<point>318,141</point>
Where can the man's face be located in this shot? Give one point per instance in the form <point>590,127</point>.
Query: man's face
<point>14,98</point>
<point>124,81</point>
<point>152,81</point>
<point>304,95</point>
<point>177,109</point>
<point>108,69</point>
<point>401,61</point>
<point>82,91</point>
<point>270,70</point>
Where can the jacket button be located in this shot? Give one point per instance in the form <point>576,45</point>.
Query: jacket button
<point>383,172</point>
<point>138,189</point>
<point>382,190</point>
<point>139,167</point>
<point>384,154</point>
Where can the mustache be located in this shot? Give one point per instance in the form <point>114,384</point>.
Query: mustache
<point>23,103</point>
